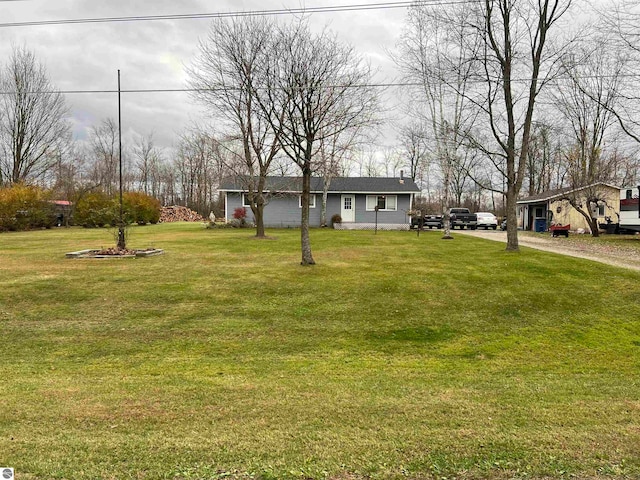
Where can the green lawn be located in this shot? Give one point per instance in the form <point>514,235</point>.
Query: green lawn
<point>396,356</point>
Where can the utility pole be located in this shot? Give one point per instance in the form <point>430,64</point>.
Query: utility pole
<point>121,237</point>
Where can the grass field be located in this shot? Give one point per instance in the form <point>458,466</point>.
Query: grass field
<point>394,357</point>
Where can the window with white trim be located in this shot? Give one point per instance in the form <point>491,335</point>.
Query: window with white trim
<point>385,203</point>
<point>312,201</point>
<point>245,200</point>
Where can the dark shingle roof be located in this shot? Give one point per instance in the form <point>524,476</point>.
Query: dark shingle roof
<point>549,194</point>
<point>554,194</point>
<point>338,185</point>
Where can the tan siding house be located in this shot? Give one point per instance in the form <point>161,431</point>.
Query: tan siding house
<point>538,212</point>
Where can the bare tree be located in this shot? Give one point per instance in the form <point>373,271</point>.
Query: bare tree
<point>586,97</point>
<point>365,162</point>
<point>513,64</point>
<point>323,86</point>
<point>33,124</point>
<point>147,157</point>
<point>434,52</point>
<point>544,165</point>
<point>229,78</point>
<point>621,35</point>
<point>103,143</point>
<point>414,142</point>
<point>329,162</point>
<point>200,164</point>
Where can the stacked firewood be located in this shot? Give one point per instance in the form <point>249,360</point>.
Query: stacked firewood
<point>176,213</point>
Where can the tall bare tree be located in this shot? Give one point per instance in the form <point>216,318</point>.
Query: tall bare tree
<point>33,119</point>
<point>586,97</point>
<point>433,54</point>
<point>324,87</point>
<point>200,164</point>
<point>147,157</point>
<point>517,56</point>
<point>229,79</point>
<point>414,142</point>
<point>103,144</point>
<point>329,162</point>
<point>544,167</point>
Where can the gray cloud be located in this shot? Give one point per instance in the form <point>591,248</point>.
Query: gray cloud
<point>151,55</point>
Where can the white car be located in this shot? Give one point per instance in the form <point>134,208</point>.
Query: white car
<point>487,220</point>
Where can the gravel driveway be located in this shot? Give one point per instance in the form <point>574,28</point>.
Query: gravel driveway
<point>619,256</point>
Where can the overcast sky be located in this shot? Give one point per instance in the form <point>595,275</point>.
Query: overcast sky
<point>152,54</point>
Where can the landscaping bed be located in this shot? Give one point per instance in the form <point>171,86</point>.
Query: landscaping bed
<point>115,253</point>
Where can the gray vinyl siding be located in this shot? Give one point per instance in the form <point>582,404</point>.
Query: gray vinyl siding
<point>397,216</point>
<point>280,212</point>
<point>333,206</point>
<point>283,212</point>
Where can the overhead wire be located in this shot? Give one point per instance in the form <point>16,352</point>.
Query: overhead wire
<point>250,13</point>
<point>354,86</point>
<point>239,13</point>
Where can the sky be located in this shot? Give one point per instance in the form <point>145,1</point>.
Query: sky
<point>153,54</point>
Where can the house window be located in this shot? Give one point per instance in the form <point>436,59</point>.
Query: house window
<point>601,210</point>
<point>312,201</point>
<point>383,202</point>
<point>245,200</point>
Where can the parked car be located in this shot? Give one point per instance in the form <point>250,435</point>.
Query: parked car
<point>431,221</point>
<point>487,220</point>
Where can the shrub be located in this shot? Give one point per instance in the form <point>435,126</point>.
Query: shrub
<point>23,207</point>
<point>96,209</point>
<point>240,213</point>
<point>336,218</point>
<point>140,208</point>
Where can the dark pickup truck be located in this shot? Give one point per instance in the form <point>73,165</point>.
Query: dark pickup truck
<point>462,217</point>
<point>431,221</point>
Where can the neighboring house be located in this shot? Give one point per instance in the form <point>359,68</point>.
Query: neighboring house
<point>354,199</point>
<point>62,210</point>
<point>630,208</point>
<point>551,207</point>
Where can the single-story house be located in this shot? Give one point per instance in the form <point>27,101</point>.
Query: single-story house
<point>358,201</point>
<point>630,208</point>
<point>552,207</point>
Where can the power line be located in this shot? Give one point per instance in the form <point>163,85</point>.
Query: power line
<point>250,13</point>
<point>221,89</point>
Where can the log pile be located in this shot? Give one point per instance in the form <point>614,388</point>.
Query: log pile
<point>176,213</point>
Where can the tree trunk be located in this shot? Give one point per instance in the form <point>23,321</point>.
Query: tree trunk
<point>307,258</point>
<point>258,215</point>
<point>325,195</point>
<point>512,220</point>
<point>446,218</point>
<point>258,203</point>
